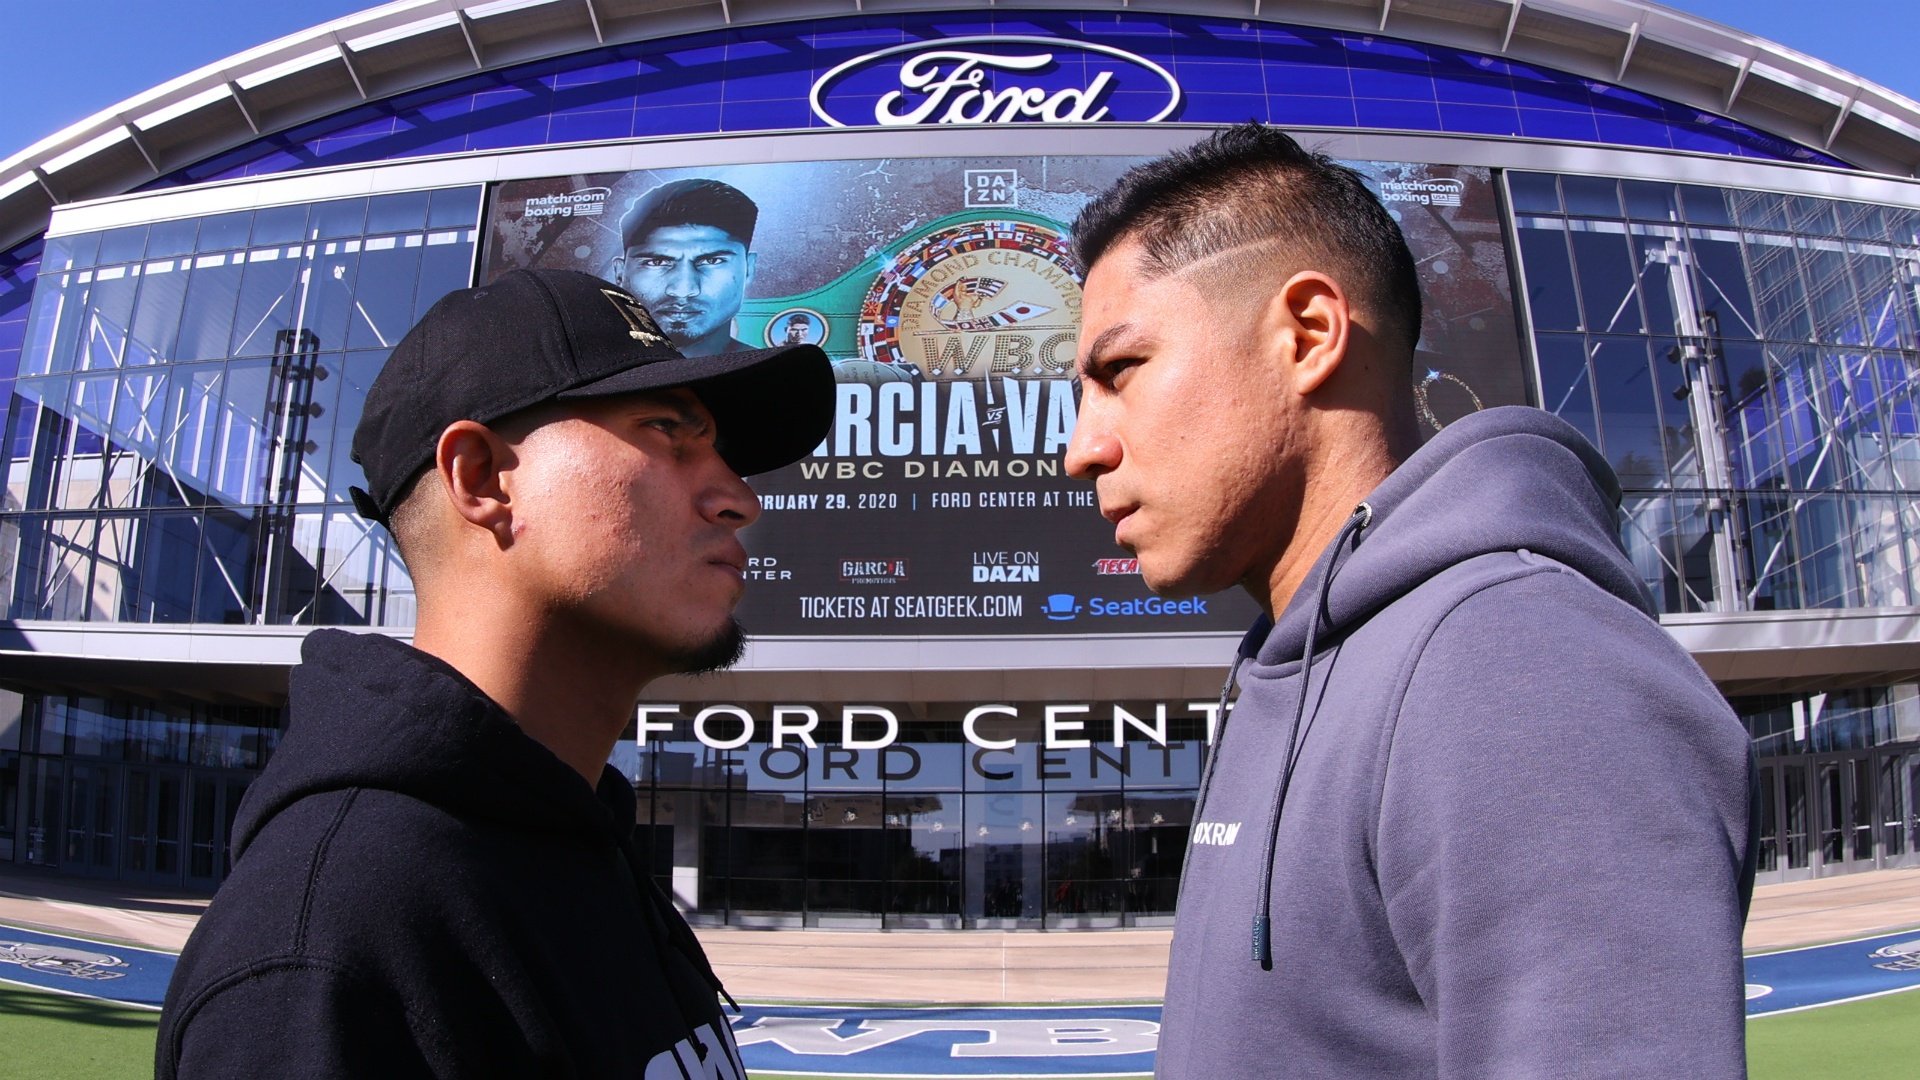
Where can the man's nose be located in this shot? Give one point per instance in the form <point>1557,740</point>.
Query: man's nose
<point>1094,448</point>
<point>683,281</point>
<point>729,500</point>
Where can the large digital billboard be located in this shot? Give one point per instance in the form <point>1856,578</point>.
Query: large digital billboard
<point>945,292</point>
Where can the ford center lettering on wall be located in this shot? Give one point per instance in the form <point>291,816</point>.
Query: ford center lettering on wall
<point>995,80</point>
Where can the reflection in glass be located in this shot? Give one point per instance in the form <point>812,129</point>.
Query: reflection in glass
<point>1005,875</point>
<point>212,380</point>
<point>925,859</point>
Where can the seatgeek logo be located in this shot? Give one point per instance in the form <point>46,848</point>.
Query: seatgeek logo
<point>1066,607</point>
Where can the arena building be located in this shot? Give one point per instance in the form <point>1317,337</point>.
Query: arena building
<point>962,708</point>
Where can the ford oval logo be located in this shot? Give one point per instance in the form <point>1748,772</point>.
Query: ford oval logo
<point>1001,79</point>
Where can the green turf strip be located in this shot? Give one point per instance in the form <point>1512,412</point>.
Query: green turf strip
<point>1861,1040</point>
<point>59,1037</point>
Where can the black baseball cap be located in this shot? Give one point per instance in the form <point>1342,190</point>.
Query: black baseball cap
<point>532,336</point>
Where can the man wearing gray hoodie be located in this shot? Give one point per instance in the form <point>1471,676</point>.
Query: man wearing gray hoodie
<point>1475,814</point>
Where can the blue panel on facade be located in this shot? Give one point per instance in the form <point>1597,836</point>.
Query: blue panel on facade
<point>667,88</point>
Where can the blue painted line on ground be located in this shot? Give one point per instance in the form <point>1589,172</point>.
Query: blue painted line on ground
<point>852,1041</point>
<point>940,1041</point>
<point>125,974</point>
<point>1830,974</point>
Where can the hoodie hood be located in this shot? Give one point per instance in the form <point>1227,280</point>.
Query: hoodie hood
<point>373,712</point>
<point>1505,479</point>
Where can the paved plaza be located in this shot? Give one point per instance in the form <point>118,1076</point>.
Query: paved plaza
<point>941,966</point>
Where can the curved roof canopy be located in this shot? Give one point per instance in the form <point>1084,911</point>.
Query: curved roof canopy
<point>411,44</point>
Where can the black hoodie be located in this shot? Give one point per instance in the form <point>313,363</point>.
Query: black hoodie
<point>420,889</point>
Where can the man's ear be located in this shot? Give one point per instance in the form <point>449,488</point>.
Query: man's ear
<point>473,462</point>
<point>751,260</point>
<point>1309,314</point>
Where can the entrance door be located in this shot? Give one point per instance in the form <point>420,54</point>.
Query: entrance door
<point>92,842</point>
<point>1845,814</point>
<point>151,841</point>
<point>212,801</point>
<point>1785,837</point>
<point>1894,811</point>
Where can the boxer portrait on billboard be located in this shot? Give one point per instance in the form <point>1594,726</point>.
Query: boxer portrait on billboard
<point>686,254</point>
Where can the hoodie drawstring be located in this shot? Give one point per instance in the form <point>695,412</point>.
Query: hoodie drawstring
<point>1263,917</point>
<point>1206,772</point>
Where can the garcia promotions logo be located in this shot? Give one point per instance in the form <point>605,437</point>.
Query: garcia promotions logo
<point>997,297</point>
<point>997,79</point>
<point>873,571</point>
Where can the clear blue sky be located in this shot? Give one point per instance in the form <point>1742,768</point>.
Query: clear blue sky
<point>67,59</point>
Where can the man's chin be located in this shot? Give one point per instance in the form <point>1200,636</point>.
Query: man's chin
<point>718,653</point>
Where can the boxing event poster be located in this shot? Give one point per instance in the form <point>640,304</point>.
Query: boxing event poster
<point>945,293</point>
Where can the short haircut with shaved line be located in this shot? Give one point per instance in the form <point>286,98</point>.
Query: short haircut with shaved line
<point>1250,185</point>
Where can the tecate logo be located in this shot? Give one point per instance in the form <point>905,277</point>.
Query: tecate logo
<point>995,80</point>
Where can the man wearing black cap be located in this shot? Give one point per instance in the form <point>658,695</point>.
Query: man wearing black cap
<point>435,875</point>
<point>685,252</point>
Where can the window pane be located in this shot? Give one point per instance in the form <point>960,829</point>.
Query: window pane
<point>1551,299</point>
<point>1629,419</point>
<point>358,372</point>
<point>227,564</point>
<point>156,318</point>
<point>1609,281</point>
<point>342,217</point>
<point>1760,210</point>
<point>224,231</point>
<point>294,565</point>
<point>1722,285</point>
<point>124,244</point>
<point>314,426</point>
<point>389,272</point>
<point>327,305</point>
<point>1705,206</point>
<point>404,212</point>
<point>454,207</point>
<point>55,322</point>
<point>1650,201</point>
<point>1566,390</point>
<point>445,265</point>
<point>206,326</point>
<point>1534,193</point>
<point>169,564</point>
<point>279,225</point>
<point>170,238</point>
<point>104,328</point>
<point>269,300</point>
<point>1591,196</point>
<point>245,427</point>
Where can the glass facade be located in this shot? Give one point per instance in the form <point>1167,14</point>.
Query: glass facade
<point>933,830</point>
<point>176,448</point>
<point>112,788</point>
<point>1750,364</point>
<point>1839,779</point>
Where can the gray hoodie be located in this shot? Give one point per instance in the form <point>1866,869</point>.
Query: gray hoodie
<point>1511,839</point>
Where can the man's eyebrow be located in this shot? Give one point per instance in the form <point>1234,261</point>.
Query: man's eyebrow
<point>651,252</point>
<point>1091,357</point>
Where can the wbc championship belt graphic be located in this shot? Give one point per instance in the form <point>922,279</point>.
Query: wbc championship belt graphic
<point>973,299</point>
